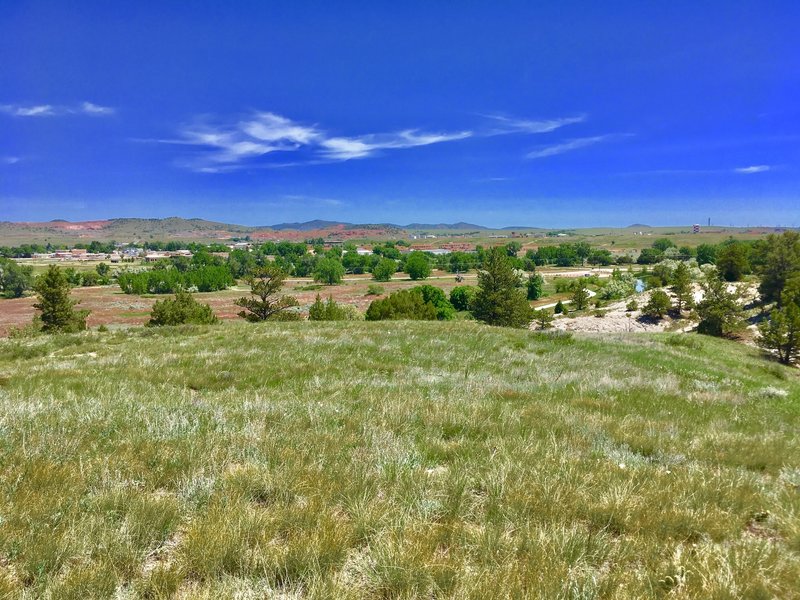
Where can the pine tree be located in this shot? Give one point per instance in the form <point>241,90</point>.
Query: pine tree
<point>580,297</point>
<point>56,307</point>
<point>781,333</point>
<point>535,286</point>
<point>719,311</point>
<point>682,287</point>
<point>265,284</point>
<point>500,300</point>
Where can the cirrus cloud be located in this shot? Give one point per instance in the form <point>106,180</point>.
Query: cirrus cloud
<point>49,110</point>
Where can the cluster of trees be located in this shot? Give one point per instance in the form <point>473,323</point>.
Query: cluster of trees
<point>204,272</point>
<point>15,279</point>
<point>207,278</point>
<point>570,255</point>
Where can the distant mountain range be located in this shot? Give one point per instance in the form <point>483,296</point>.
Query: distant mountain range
<point>135,229</point>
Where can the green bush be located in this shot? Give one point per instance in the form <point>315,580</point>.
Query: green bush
<point>181,310</point>
<point>374,289</point>
<point>461,297</point>
<point>405,304</point>
<point>437,297</point>
<point>331,311</point>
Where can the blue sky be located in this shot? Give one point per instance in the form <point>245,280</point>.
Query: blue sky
<point>501,113</point>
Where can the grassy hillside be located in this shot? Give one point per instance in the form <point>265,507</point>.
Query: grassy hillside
<point>395,460</point>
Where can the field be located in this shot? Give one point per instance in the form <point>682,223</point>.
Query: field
<point>395,460</point>
<point>110,307</point>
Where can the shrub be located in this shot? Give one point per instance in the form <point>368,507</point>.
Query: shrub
<point>331,311</point>
<point>437,297</point>
<point>375,290</point>
<point>405,304</point>
<point>461,297</point>
<point>181,310</point>
<point>632,306</point>
<point>558,308</point>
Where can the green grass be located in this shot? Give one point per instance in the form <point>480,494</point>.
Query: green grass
<point>395,460</point>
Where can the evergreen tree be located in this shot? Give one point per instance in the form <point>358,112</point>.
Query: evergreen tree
<point>500,300</point>
<point>719,311</point>
<point>781,333</point>
<point>580,297</point>
<point>56,307</point>
<point>558,308</point>
<point>266,305</point>
<point>544,318</point>
<point>535,286</point>
<point>733,261</point>
<point>781,262</point>
<point>682,287</point>
<point>658,305</point>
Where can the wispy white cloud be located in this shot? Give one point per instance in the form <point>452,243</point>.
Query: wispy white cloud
<point>10,160</point>
<point>506,125</point>
<point>569,145</point>
<point>49,110</point>
<point>89,108</point>
<point>269,127</point>
<point>753,169</point>
<point>343,148</point>
<point>235,145</point>
<point>306,200</point>
<point>226,148</point>
<point>723,171</point>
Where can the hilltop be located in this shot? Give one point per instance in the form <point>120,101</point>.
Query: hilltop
<point>402,459</point>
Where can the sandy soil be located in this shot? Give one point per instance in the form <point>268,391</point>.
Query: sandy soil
<point>615,320</point>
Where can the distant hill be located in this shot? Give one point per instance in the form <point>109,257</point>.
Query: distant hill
<point>638,226</point>
<point>459,225</point>
<point>309,225</point>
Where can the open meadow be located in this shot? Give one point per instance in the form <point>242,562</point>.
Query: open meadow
<point>395,460</point>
